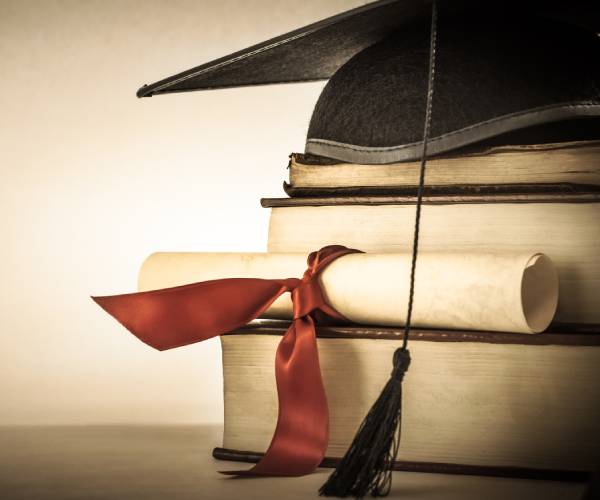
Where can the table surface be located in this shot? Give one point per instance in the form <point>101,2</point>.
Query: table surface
<point>174,462</point>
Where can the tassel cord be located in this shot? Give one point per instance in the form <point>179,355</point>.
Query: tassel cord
<point>426,132</point>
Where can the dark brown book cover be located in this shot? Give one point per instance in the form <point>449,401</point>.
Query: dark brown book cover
<point>435,467</point>
<point>432,190</point>
<point>561,334</point>
<point>438,198</point>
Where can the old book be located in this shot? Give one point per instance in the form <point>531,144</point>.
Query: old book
<point>518,168</point>
<point>485,403</point>
<point>564,227</point>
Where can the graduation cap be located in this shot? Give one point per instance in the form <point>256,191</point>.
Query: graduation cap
<point>404,85</point>
<point>527,66</point>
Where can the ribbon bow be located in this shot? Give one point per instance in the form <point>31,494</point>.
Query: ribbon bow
<point>182,315</point>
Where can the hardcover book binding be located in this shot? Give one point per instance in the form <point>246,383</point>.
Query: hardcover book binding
<point>477,402</point>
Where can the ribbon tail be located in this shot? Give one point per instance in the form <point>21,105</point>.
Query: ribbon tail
<point>173,317</point>
<point>302,433</point>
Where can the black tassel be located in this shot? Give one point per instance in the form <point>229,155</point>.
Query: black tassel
<point>367,465</point>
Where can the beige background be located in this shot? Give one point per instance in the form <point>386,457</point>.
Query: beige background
<point>94,179</point>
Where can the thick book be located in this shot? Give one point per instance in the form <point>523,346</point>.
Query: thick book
<point>473,402</point>
<point>570,166</point>
<point>566,227</point>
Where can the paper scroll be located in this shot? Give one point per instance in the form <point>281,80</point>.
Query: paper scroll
<point>479,291</point>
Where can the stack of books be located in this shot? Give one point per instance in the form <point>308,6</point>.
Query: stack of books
<point>474,401</point>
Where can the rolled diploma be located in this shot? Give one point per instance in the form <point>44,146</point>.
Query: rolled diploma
<point>505,292</point>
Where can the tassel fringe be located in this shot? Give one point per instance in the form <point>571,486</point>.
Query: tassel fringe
<point>367,465</point>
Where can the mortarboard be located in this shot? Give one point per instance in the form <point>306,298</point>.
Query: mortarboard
<point>528,67</point>
<point>522,65</point>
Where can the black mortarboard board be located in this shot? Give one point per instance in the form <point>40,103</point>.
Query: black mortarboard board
<point>316,51</point>
<point>503,66</point>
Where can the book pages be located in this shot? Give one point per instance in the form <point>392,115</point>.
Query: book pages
<point>569,162</point>
<point>503,405</point>
<point>510,292</point>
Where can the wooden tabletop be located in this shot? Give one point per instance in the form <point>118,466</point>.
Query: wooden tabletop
<point>174,462</point>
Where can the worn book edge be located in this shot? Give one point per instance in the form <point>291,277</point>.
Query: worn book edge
<point>435,467</point>
<point>440,190</point>
<point>557,334</point>
<point>467,197</point>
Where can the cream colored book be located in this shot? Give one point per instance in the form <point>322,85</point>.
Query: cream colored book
<point>565,228</point>
<point>472,402</point>
<point>576,163</point>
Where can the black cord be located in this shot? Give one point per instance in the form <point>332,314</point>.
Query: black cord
<point>426,130</point>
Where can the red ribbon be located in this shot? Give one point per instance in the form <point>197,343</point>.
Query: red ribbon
<point>186,314</point>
